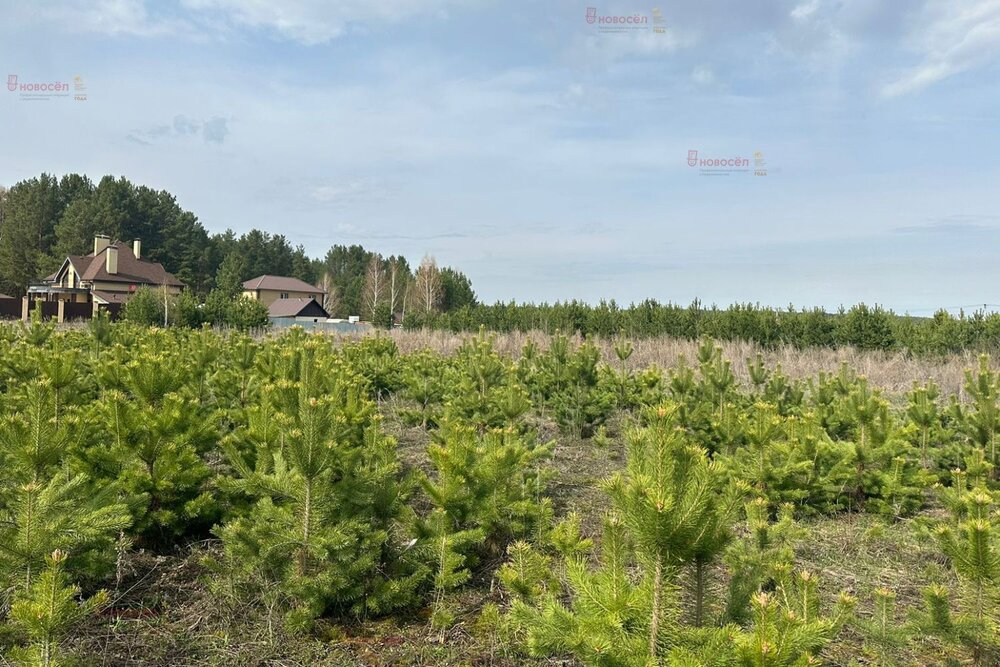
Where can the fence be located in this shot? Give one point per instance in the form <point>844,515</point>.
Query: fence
<point>77,311</point>
<point>10,309</point>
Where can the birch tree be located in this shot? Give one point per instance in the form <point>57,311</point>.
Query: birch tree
<point>427,289</point>
<point>375,285</point>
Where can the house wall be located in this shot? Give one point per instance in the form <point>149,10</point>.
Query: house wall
<point>269,296</point>
<point>69,278</point>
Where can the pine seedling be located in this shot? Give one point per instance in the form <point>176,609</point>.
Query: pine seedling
<point>203,350</point>
<point>575,391</point>
<point>787,396</point>
<point>605,620</point>
<point>974,553</point>
<point>623,349</point>
<point>717,377</point>
<point>922,410</point>
<point>60,368</point>
<point>565,538</point>
<point>884,635</point>
<point>757,559</point>
<point>450,547</point>
<point>974,476</point>
<point>64,513</point>
<point>900,488</point>
<point>328,501</point>
<point>153,454</point>
<point>32,442</point>
<point>759,373</point>
<point>787,630</point>
<point>44,612</point>
<point>982,420</point>
<point>100,330</point>
<point>424,383</point>
<point>527,574</point>
<point>37,331</point>
<point>768,461</point>
<point>970,544</point>
<point>670,498</point>
<point>863,405</point>
<point>682,381</point>
<point>963,630</point>
<point>492,481</point>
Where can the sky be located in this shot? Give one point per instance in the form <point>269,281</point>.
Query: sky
<point>544,155</point>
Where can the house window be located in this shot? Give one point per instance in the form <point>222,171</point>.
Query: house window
<point>284,295</point>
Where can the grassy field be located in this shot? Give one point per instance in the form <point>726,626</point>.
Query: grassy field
<point>172,619</point>
<point>168,598</point>
<point>183,624</point>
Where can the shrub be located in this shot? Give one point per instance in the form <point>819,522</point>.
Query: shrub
<point>145,307</point>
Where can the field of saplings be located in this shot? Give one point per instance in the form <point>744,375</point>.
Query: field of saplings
<point>178,497</point>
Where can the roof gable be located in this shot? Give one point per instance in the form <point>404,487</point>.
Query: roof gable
<point>281,284</point>
<point>130,269</point>
<point>296,308</point>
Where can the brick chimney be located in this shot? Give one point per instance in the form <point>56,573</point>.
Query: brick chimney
<point>137,248</point>
<point>111,260</point>
<point>100,243</point>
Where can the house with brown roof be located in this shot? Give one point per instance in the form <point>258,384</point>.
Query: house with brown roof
<point>268,289</point>
<point>111,274</point>
<point>297,309</point>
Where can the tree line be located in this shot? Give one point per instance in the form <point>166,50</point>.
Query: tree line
<point>46,218</point>
<point>861,326</point>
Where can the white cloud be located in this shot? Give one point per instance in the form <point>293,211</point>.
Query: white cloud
<point>954,36</point>
<point>109,17</point>
<point>805,10</point>
<point>347,191</point>
<point>592,46</point>
<point>318,21</point>
<point>703,75</point>
<point>214,130</point>
<point>305,21</point>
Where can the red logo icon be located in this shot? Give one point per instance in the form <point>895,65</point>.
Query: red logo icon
<point>11,82</point>
<point>692,158</point>
<point>591,14</point>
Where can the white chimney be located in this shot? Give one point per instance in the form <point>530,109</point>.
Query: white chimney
<point>111,260</point>
<point>100,243</point>
<point>137,248</point>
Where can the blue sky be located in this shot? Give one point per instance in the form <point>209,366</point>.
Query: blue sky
<point>544,157</point>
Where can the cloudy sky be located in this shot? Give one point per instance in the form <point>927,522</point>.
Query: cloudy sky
<point>544,156</point>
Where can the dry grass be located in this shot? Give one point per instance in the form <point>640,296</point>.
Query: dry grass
<point>893,371</point>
